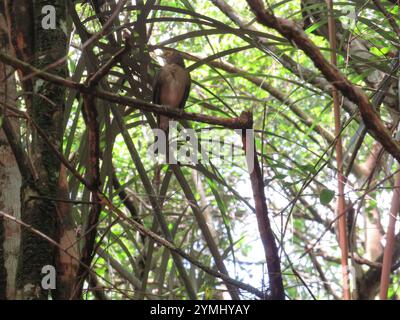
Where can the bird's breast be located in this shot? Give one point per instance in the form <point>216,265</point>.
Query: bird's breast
<point>173,86</point>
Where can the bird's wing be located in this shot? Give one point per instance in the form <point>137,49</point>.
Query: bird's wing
<point>157,87</point>
<point>186,93</point>
<point>157,92</point>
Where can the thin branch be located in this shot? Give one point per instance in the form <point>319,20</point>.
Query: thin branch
<point>102,72</point>
<point>296,35</point>
<point>390,240</point>
<point>204,228</point>
<point>341,204</point>
<point>241,122</point>
<point>169,245</point>
<point>264,227</point>
<point>389,16</point>
<point>24,165</point>
<point>93,171</point>
<point>56,244</point>
<point>107,25</point>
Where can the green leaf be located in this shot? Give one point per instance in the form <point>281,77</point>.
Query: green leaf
<point>314,27</point>
<point>326,196</point>
<point>280,176</point>
<point>380,51</point>
<point>308,168</point>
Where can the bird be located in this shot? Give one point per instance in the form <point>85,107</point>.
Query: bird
<point>171,86</point>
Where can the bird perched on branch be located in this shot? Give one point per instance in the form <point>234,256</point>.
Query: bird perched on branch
<point>171,85</point>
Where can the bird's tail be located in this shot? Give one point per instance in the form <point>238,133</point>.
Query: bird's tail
<point>164,123</point>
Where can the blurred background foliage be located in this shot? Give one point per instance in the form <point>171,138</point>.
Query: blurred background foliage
<point>251,68</point>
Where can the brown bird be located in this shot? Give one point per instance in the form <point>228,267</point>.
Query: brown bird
<point>171,85</point>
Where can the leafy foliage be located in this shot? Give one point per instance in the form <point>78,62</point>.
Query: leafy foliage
<point>235,66</point>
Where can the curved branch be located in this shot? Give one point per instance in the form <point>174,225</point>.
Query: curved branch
<point>294,34</point>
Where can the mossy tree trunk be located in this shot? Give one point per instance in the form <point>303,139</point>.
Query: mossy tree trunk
<point>50,47</point>
<point>45,107</point>
<point>10,179</point>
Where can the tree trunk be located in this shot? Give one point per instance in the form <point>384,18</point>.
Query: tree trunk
<point>40,167</point>
<point>10,181</point>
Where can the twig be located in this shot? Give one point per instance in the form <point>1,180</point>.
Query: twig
<point>296,35</point>
<point>89,112</point>
<point>389,16</point>
<point>106,26</point>
<point>96,77</point>
<point>56,244</point>
<point>264,227</point>
<point>241,122</point>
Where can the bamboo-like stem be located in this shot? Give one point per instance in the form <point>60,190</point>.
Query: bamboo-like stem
<point>390,240</point>
<point>341,207</point>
